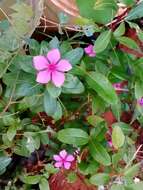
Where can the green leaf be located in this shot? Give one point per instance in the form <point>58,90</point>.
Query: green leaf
<point>51,169</point>
<point>73,136</point>
<point>31,179</point>
<point>103,4</point>
<point>72,177</point>
<point>128,2</point>
<point>8,119</point>
<point>50,104</point>
<point>53,90</point>
<point>137,186</point>
<point>138,89</point>
<point>102,41</point>
<point>120,30</point>
<point>58,112</point>
<point>4,162</point>
<point>103,87</point>
<point>140,35</point>
<point>54,43</point>
<point>11,132</point>
<point>117,187</point>
<point>135,12</point>
<point>118,137</point>
<point>44,138</point>
<point>116,109</point>
<point>43,184</point>
<point>94,120</point>
<point>97,9</point>
<point>100,179</point>
<point>126,128</point>
<point>128,42</point>
<point>72,85</point>
<point>116,158</point>
<point>25,63</point>
<point>133,170</point>
<point>74,56</point>
<point>99,153</point>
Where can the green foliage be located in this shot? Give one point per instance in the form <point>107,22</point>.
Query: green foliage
<point>102,41</point>
<point>118,137</point>
<point>99,153</point>
<point>73,136</point>
<point>103,87</point>
<point>96,9</point>
<point>100,179</point>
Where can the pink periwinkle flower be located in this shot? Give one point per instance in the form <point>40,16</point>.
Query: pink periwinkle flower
<point>51,68</point>
<point>63,160</point>
<point>89,50</point>
<point>117,86</point>
<point>140,101</point>
<point>110,144</point>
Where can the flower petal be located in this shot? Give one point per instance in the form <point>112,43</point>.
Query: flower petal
<point>58,164</point>
<point>63,154</point>
<point>67,165</point>
<point>40,62</point>
<point>64,65</point>
<point>43,77</point>
<point>88,49</point>
<point>70,158</point>
<point>93,54</point>
<point>53,56</point>
<point>57,158</point>
<point>58,78</point>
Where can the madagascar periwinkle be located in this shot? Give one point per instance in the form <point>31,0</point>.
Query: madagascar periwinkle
<point>51,68</point>
<point>63,160</point>
<point>140,101</point>
<point>89,50</point>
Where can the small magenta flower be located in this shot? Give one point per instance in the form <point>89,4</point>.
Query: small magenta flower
<point>89,50</point>
<point>117,86</point>
<point>51,68</point>
<point>140,101</point>
<point>110,144</point>
<point>63,160</point>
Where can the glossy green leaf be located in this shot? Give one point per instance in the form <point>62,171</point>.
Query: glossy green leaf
<point>128,42</point>
<point>132,170</point>
<point>4,162</point>
<point>135,12</point>
<point>50,104</point>
<point>120,30</point>
<point>72,177</point>
<point>54,43</point>
<point>11,132</point>
<point>138,89</point>
<point>73,136</point>
<point>102,41</point>
<point>117,187</point>
<point>53,90</point>
<point>118,137</point>
<point>100,179</point>
<point>102,87</point>
<point>126,128</point>
<point>72,85</point>
<point>31,179</point>
<point>97,9</point>
<point>137,186</point>
<point>43,184</point>
<point>74,56</point>
<point>99,153</point>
